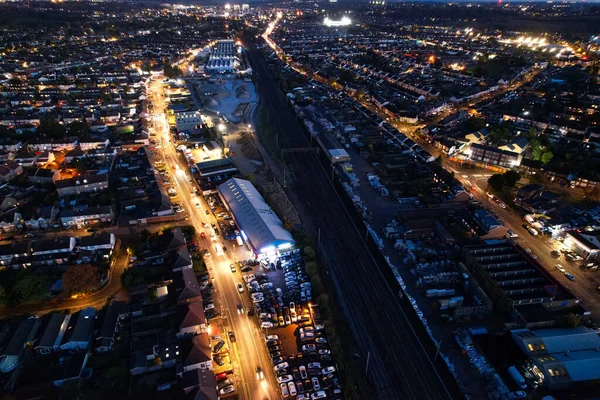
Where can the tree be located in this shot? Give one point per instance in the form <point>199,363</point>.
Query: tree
<point>497,181</point>
<point>188,231</point>
<point>145,235</point>
<point>80,279</point>
<point>79,129</point>
<point>127,278</point>
<point>511,178</point>
<point>52,128</point>
<point>547,156</point>
<point>31,287</point>
<point>171,71</point>
<point>81,166</point>
<point>3,297</point>
<point>309,253</point>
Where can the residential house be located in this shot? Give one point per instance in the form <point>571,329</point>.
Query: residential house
<point>178,239</point>
<point>42,144</point>
<point>181,259</point>
<point>86,216</point>
<point>479,137</point>
<point>82,184</point>
<point>53,246</point>
<point>42,175</point>
<point>517,145</point>
<point>537,199</point>
<point>45,158</point>
<point>190,319</point>
<point>490,226</point>
<point>13,250</point>
<point>102,241</point>
<point>9,170</point>
<point>25,158</point>
<point>80,330</point>
<point>115,312</point>
<point>44,218</point>
<point>195,354</point>
<point>53,333</point>
<point>94,144</point>
<point>185,287</point>
<point>20,338</point>
<point>199,384</point>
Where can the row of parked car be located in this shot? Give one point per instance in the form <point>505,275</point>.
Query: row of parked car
<point>309,373</point>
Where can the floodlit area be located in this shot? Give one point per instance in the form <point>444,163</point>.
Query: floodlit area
<point>344,21</point>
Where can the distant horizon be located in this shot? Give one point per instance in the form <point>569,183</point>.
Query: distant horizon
<point>213,2</point>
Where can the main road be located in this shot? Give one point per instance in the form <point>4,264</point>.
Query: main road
<point>398,364</point>
<point>250,351</point>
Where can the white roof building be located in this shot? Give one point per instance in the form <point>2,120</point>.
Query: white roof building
<point>259,225</point>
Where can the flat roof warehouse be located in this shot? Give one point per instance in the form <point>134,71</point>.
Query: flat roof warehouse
<point>260,226</point>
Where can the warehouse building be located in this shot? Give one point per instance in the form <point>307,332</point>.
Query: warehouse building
<point>258,224</point>
<point>561,357</point>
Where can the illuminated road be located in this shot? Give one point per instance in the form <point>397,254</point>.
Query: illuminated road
<point>96,300</point>
<point>250,350</point>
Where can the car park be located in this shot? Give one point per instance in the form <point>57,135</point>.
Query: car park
<point>314,365</point>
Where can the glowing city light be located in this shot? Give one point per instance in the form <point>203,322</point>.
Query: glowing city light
<point>345,21</point>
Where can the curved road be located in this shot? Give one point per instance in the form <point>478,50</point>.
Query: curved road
<point>96,300</point>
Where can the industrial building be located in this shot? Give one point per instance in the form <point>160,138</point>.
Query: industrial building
<point>563,357</point>
<point>261,229</point>
<point>516,283</point>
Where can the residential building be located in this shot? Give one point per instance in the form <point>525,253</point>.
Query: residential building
<point>493,156</point>
<point>195,354</point>
<point>102,241</point>
<point>491,226</point>
<point>53,333</point>
<point>190,319</point>
<point>22,336</point>
<point>53,246</point>
<point>82,184</point>
<point>80,330</point>
<point>86,216</point>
